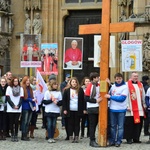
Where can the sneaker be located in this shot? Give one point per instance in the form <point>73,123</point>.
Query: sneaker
<point>111,144</point>
<point>53,141</point>
<point>50,140</point>
<point>82,136</point>
<point>63,127</point>
<point>117,145</point>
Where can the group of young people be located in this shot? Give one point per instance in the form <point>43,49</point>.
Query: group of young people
<point>17,107</point>
<point>127,105</point>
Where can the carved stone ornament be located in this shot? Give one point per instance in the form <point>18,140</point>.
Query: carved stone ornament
<point>5,5</point>
<point>34,4</point>
<point>146,52</point>
<point>122,2</point>
<point>4,42</point>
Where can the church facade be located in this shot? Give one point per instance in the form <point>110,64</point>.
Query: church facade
<point>60,19</point>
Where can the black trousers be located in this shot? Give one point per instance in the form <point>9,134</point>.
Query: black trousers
<point>2,121</point>
<point>66,126</point>
<point>132,130</point>
<point>14,122</point>
<point>34,118</point>
<point>146,124</point>
<point>93,121</point>
<point>84,118</point>
<point>73,123</point>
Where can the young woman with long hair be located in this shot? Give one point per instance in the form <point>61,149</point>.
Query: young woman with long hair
<point>84,119</point>
<point>14,96</point>
<point>73,108</point>
<point>52,101</point>
<point>35,113</point>
<point>28,106</point>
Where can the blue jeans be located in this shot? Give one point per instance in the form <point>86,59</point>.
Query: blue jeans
<point>51,125</point>
<point>116,127</point>
<point>26,118</point>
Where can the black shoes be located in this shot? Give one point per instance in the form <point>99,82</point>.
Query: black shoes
<point>136,141</point>
<point>82,136</point>
<point>24,137</point>
<point>111,144</point>
<point>129,141</point>
<point>146,134</point>
<point>94,144</point>
<point>67,138</point>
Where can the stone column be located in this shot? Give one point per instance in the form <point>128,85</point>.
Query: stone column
<point>0,22</point>
<point>10,25</point>
<point>139,6</point>
<point>114,19</point>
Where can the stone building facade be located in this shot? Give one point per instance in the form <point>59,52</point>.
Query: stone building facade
<point>61,18</point>
<point>6,28</point>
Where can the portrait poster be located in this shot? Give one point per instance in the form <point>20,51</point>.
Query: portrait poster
<point>30,50</point>
<point>49,59</point>
<point>97,51</point>
<point>73,53</point>
<point>131,55</point>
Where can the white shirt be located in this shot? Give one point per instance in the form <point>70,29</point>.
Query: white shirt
<point>14,99</point>
<point>53,108</point>
<point>140,101</point>
<point>118,91</point>
<point>73,100</point>
<point>91,105</point>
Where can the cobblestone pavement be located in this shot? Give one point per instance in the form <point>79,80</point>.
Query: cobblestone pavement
<point>39,143</point>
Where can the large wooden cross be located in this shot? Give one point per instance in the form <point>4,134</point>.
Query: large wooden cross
<point>105,29</point>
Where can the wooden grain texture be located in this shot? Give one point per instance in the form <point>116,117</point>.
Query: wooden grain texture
<point>114,28</point>
<point>104,71</point>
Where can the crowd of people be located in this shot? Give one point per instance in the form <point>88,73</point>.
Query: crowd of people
<point>78,104</point>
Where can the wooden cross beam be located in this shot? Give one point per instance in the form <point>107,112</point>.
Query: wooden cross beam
<point>105,29</point>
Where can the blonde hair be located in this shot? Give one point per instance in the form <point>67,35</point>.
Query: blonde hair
<point>50,85</point>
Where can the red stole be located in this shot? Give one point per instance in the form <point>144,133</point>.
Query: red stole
<point>134,102</point>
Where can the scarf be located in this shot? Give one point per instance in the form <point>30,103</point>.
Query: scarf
<point>122,83</point>
<point>16,90</point>
<point>33,87</point>
<point>134,102</point>
<point>93,94</point>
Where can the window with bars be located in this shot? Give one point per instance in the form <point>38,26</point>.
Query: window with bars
<point>82,1</point>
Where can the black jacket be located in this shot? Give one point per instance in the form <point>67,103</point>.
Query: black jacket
<point>81,102</point>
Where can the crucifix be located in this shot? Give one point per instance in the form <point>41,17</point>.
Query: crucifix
<point>105,28</point>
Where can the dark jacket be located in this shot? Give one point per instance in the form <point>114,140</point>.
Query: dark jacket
<point>145,85</point>
<point>81,102</point>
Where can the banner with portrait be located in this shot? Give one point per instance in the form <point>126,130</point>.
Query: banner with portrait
<point>49,59</point>
<point>97,51</point>
<point>30,53</point>
<point>73,53</point>
<point>131,55</point>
